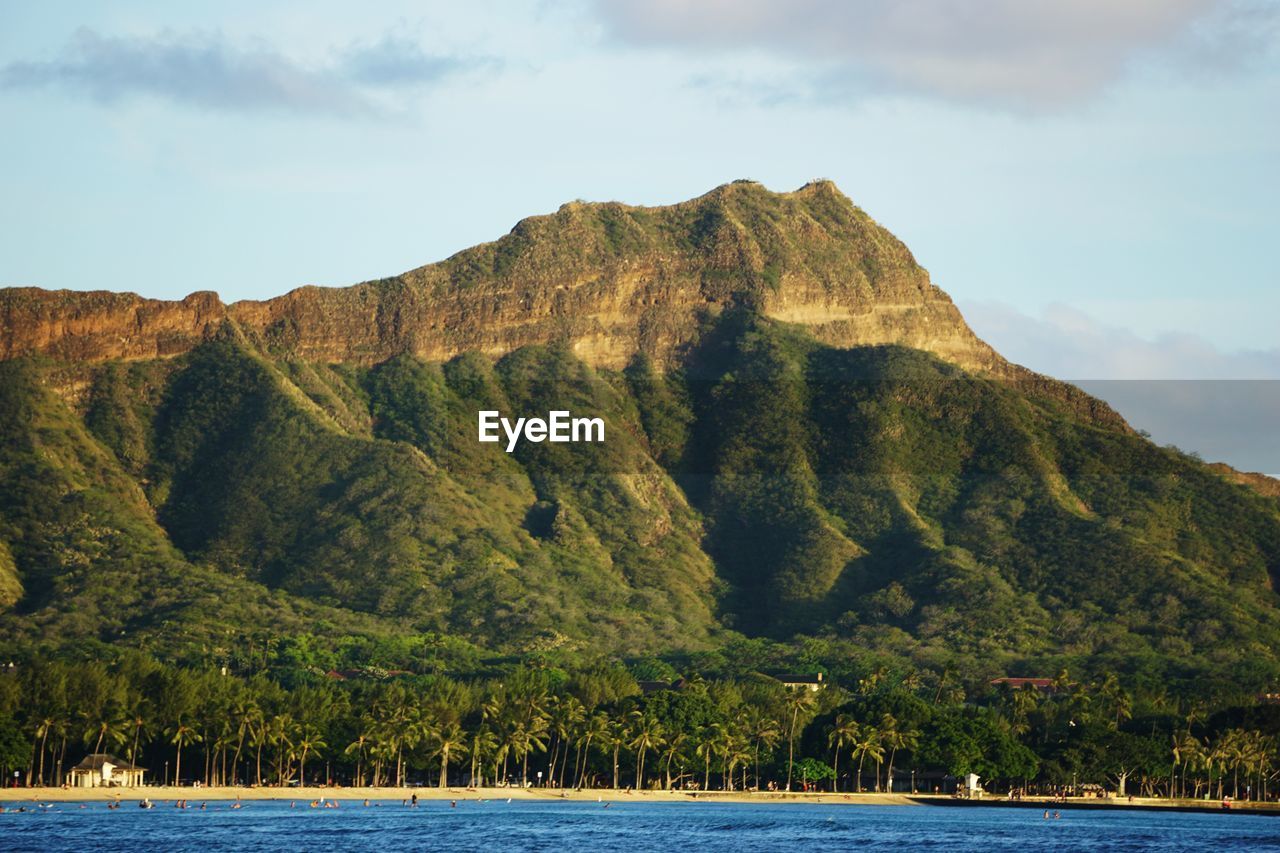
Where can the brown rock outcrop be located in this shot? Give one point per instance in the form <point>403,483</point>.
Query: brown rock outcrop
<point>609,279</point>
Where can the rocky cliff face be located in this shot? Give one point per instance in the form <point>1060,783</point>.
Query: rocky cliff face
<point>611,280</point>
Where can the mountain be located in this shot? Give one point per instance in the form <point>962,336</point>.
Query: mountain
<point>804,440</point>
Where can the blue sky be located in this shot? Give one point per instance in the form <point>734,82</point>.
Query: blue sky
<point>1097,184</point>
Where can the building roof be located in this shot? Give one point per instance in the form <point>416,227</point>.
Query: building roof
<point>94,762</point>
<point>368,672</point>
<point>799,678</point>
<point>1017,682</point>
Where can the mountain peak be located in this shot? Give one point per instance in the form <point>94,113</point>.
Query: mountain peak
<point>609,279</point>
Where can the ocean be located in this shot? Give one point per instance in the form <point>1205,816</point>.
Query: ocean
<point>497,825</point>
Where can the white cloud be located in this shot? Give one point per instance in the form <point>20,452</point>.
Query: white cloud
<point>1179,387</point>
<point>1014,53</point>
<point>205,69</point>
<point>1070,344</point>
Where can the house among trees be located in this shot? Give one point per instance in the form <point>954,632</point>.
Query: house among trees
<point>102,770</point>
<point>1044,685</point>
<point>793,681</point>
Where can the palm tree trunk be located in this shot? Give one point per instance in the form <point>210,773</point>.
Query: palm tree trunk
<point>551,759</point>
<point>835,765</point>
<point>791,745</point>
<point>40,776</point>
<point>62,760</point>
<point>444,768</point>
<point>861,758</point>
<point>586,756</point>
<point>31,765</point>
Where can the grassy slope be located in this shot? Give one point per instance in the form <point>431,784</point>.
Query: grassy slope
<point>881,494</point>
<point>774,485</point>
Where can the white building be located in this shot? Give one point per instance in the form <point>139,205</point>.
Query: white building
<point>105,771</point>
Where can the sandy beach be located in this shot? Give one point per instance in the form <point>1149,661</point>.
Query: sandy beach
<point>160,793</point>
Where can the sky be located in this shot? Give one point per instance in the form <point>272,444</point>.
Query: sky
<point>1096,184</point>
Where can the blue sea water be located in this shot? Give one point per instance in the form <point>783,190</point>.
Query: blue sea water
<point>564,826</point>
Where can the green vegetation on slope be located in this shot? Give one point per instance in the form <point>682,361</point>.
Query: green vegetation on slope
<point>882,495</point>
<point>874,498</point>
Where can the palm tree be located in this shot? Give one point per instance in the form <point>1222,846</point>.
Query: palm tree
<point>764,733</point>
<point>706,748</point>
<point>596,728</point>
<point>616,737</point>
<point>43,726</point>
<point>723,745</point>
<point>101,729</point>
<point>137,725</point>
<point>281,730</point>
<point>358,746</point>
<point>222,743</point>
<point>565,716</point>
<point>867,743</point>
<point>181,735</point>
<point>526,737</point>
<point>245,715</point>
<point>309,740</point>
<point>1184,750</point>
<point>483,743</point>
<point>449,740</point>
<point>645,734</point>
<point>259,736</point>
<point>674,746</point>
<point>736,751</point>
<point>797,701</point>
<point>896,738</point>
<point>1119,699</point>
<point>843,733</point>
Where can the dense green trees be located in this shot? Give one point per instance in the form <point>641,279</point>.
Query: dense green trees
<point>590,726</point>
<point>874,499</point>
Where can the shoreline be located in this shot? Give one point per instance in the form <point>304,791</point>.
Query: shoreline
<point>161,794</point>
<point>384,794</point>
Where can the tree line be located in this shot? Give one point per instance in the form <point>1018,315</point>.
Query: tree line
<point>595,727</point>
